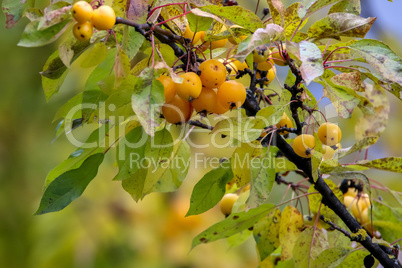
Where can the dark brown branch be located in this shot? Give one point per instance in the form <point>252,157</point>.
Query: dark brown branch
<point>197,123</point>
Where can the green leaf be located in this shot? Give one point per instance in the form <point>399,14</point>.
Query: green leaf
<point>32,37</point>
<point>74,103</point>
<point>121,68</point>
<point>330,257</point>
<point>94,56</point>
<point>292,20</point>
<point>312,241</point>
<point>354,259</point>
<point>315,199</point>
<point>101,72</point>
<point>132,41</point>
<point>266,233</point>
<point>347,6</point>
<point>233,224</point>
<point>237,15</point>
<point>13,10</point>
<point>174,170</point>
<point>91,146</point>
<point>381,57</point>
<point>262,179</point>
<point>198,23</point>
<point>242,159</point>
<point>52,86</point>
<point>308,7</point>
<point>210,189</point>
<point>336,25</point>
<point>312,63</point>
<point>393,164</point>
<point>148,97</point>
<point>69,186</point>
<point>130,153</point>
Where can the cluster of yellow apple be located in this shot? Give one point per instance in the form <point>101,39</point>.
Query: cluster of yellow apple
<point>102,18</point>
<point>359,204</point>
<point>208,92</point>
<point>328,133</point>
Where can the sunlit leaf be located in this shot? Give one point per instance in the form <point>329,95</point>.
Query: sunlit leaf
<point>94,56</point>
<point>291,226</point>
<point>360,145</point>
<point>233,224</point>
<point>309,245</point>
<point>292,21</point>
<point>312,63</point>
<point>210,189</point>
<point>70,185</point>
<point>266,233</point>
<point>277,11</point>
<point>237,128</point>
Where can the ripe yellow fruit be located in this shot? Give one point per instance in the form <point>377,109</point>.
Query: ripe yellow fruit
<point>169,87</point>
<point>177,110</point>
<point>240,66</point>
<point>328,151</point>
<point>260,54</point>
<point>188,33</point>
<point>284,122</point>
<point>277,57</point>
<point>82,11</point>
<point>83,31</point>
<point>270,76</point>
<point>227,203</point>
<point>231,94</point>
<point>351,192</point>
<point>220,109</point>
<point>213,73</point>
<point>303,145</point>
<point>329,134</point>
<point>103,18</point>
<point>190,88</point>
<point>266,65</point>
<point>357,204</point>
<point>206,102</point>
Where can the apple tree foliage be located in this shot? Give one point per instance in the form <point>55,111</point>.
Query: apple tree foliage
<point>122,100</point>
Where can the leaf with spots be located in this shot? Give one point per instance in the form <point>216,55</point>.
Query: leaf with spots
<point>262,178</point>
<point>266,233</point>
<point>242,159</point>
<point>233,224</point>
<point>55,14</point>
<point>13,10</point>
<point>374,124</point>
<point>291,226</point>
<point>347,6</point>
<point>393,164</point>
<point>292,20</point>
<point>336,25</point>
<point>315,199</point>
<point>381,57</point>
<point>237,129</point>
<point>308,7</point>
<point>277,11</point>
<point>173,19</point>
<point>237,15</point>
<point>136,10</point>
<point>312,63</point>
<point>351,80</point>
<point>312,241</point>
<point>210,189</point>
<point>70,185</point>
<point>147,99</point>
<point>360,145</point>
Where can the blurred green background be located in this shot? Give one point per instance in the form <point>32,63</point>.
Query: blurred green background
<point>105,227</point>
